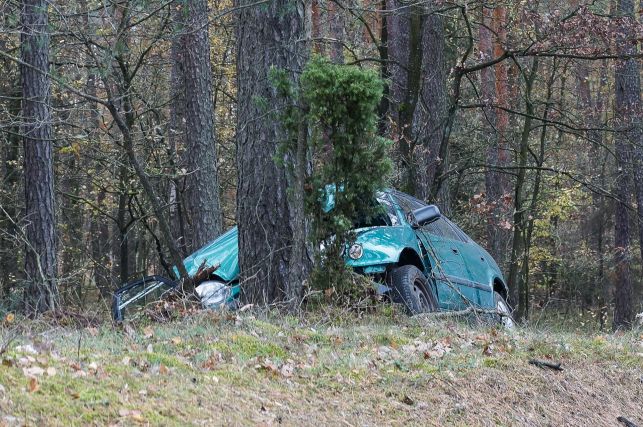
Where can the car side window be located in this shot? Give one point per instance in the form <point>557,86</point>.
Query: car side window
<point>408,203</point>
<point>442,228</point>
<point>461,234</point>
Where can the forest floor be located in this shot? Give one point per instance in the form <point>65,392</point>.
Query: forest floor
<point>328,368</point>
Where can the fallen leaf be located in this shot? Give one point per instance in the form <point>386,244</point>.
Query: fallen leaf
<point>407,400</point>
<point>148,332</point>
<point>163,370</point>
<point>487,350</point>
<point>32,385</point>
<point>51,371</point>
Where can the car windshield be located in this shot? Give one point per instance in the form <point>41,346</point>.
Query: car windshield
<point>406,202</point>
<point>382,214</point>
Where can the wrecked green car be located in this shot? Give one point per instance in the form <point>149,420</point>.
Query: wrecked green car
<point>414,255</point>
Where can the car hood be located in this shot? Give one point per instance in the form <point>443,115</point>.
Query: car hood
<point>383,245</point>
<point>224,250</point>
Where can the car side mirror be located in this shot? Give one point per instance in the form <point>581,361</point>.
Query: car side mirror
<point>425,215</point>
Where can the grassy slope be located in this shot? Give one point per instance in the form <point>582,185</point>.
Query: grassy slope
<point>378,369</point>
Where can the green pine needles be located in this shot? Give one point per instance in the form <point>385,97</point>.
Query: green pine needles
<point>348,161</point>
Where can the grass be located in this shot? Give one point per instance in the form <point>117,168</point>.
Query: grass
<point>377,369</point>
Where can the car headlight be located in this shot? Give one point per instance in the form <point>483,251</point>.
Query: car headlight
<point>356,251</point>
<point>212,293</point>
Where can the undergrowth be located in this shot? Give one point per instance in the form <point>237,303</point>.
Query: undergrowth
<point>329,366</point>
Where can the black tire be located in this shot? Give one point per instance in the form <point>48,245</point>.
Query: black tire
<point>412,290</point>
<point>504,317</point>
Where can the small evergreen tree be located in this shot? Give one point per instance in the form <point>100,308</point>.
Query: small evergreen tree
<point>349,162</point>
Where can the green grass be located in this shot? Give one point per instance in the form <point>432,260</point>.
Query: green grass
<point>368,369</point>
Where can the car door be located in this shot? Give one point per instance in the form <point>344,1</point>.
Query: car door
<point>478,264</point>
<point>452,275</point>
<point>133,297</point>
<point>441,253</point>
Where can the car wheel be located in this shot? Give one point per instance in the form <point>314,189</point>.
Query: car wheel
<point>411,288</point>
<point>504,312</point>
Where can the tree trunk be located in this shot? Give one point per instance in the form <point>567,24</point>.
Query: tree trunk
<point>202,189</point>
<point>631,108</point>
<point>40,261</point>
<point>431,107</point>
<point>272,255</point>
<point>517,282</point>
<point>495,182</point>
<point>628,92</point>
<point>176,129</point>
<point>404,49</point>
<point>336,30</point>
<point>11,176</point>
<point>383,108</point>
<point>591,108</point>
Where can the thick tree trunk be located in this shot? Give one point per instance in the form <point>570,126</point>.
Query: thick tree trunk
<point>40,260</point>
<point>404,49</point>
<point>631,108</point>
<point>628,93</point>
<point>495,182</point>
<point>431,107</point>
<point>272,256</point>
<point>202,192</point>
<point>176,129</point>
<point>336,30</point>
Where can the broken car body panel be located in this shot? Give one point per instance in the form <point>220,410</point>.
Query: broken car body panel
<point>222,251</point>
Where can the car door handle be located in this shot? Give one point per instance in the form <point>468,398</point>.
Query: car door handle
<point>455,251</point>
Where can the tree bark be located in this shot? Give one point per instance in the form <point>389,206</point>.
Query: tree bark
<point>202,192</point>
<point>627,114</point>
<point>40,260</point>
<point>591,107</point>
<point>431,107</point>
<point>495,182</point>
<point>11,177</point>
<point>272,256</point>
<point>631,108</point>
<point>517,283</point>
<point>404,49</point>
<point>176,128</point>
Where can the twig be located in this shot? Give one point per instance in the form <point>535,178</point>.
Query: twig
<point>8,339</point>
<point>625,421</point>
<point>442,314</point>
<point>542,364</point>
